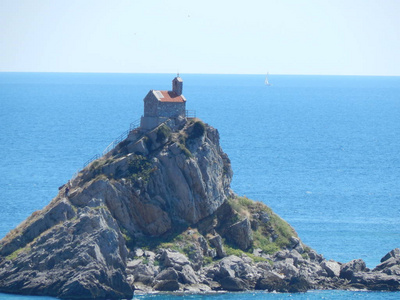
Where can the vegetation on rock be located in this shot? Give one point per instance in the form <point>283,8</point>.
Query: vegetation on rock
<point>139,167</point>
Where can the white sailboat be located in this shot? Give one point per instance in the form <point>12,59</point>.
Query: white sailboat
<point>266,80</point>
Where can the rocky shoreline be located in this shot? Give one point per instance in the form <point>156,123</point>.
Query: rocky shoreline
<point>157,214</point>
<point>285,271</point>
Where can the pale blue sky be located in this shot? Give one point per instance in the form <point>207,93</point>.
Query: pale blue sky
<point>343,37</point>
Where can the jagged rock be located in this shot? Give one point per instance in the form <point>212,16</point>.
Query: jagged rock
<point>377,281</point>
<point>167,274</point>
<point>254,224</point>
<point>314,256</point>
<point>195,255</point>
<point>395,253</point>
<point>331,267</point>
<point>216,241</point>
<point>143,273</point>
<point>203,244</point>
<point>281,255</point>
<point>233,284</point>
<point>390,263</point>
<point>264,217</point>
<point>142,288</point>
<point>212,253</point>
<point>390,266</point>
<point>132,264</point>
<point>188,276</point>
<point>172,259</point>
<point>241,234</point>
<point>348,269</point>
<point>294,241</point>
<point>286,267</point>
<point>270,281</point>
<point>264,266</point>
<point>311,271</point>
<point>139,252</point>
<point>296,244</point>
<point>298,285</point>
<point>60,264</point>
<point>138,147</point>
<point>150,254</point>
<point>296,256</point>
<point>235,267</point>
<point>167,286</point>
<point>197,288</point>
<point>58,211</point>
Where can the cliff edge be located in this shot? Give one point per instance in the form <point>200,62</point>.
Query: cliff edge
<point>157,214</point>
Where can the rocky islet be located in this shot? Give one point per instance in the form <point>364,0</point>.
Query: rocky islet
<point>157,214</point>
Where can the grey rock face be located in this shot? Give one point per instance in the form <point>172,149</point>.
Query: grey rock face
<point>83,256</point>
<point>241,234</point>
<point>331,267</point>
<point>172,259</point>
<point>216,241</point>
<point>188,276</point>
<point>77,244</point>
<point>377,281</point>
<point>235,274</point>
<point>390,263</point>
<point>167,286</point>
<point>395,253</point>
<point>193,187</point>
<point>348,269</point>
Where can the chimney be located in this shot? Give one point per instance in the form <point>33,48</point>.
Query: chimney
<point>177,85</point>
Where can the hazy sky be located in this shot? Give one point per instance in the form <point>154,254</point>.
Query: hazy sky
<point>344,37</point>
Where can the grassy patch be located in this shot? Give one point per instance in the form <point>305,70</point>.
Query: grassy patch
<point>233,251</point>
<point>262,236</point>
<point>185,150</point>
<point>261,240</point>
<point>17,252</point>
<point>237,252</point>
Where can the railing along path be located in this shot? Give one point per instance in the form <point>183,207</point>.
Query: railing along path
<point>134,125</point>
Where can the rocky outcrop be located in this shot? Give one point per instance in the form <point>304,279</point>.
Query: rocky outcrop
<point>157,214</point>
<point>151,184</point>
<point>80,258</point>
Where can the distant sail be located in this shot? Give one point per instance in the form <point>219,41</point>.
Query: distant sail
<point>266,80</point>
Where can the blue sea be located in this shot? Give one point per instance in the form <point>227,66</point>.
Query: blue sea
<point>322,151</point>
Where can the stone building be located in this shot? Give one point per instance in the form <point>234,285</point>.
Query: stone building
<point>160,106</point>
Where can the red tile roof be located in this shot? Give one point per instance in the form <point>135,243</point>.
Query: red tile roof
<point>168,96</point>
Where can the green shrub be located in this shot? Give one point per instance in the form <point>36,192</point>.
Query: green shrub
<point>163,133</point>
<point>128,239</point>
<point>198,130</point>
<point>261,240</point>
<point>208,260</point>
<point>139,167</point>
<point>185,150</point>
<point>233,251</point>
